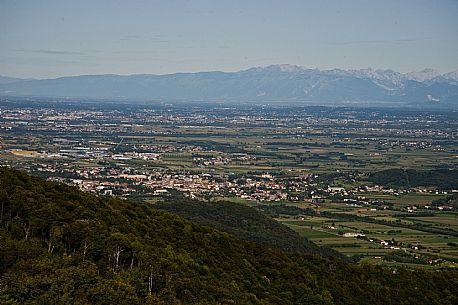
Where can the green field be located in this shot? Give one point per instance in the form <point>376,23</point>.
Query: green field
<point>429,245</point>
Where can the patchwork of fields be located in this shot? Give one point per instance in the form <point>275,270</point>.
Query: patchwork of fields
<point>321,160</point>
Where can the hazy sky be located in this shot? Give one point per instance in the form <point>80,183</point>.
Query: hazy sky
<point>44,38</point>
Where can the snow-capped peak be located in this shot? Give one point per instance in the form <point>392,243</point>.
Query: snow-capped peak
<point>386,78</point>
<point>290,68</point>
<point>423,75</point>
<point>451,75</point>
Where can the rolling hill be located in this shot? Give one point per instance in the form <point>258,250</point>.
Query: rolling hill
<point>246,223</point>
<point>59,245</point>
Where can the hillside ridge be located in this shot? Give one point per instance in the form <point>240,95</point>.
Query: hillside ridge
<point>62,246</point>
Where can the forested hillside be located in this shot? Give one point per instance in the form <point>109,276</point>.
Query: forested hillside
<point>246,223</point>
<point>62,246</point>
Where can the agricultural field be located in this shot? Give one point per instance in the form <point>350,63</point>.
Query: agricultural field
<point>391,175</point>
<point>330,231</point>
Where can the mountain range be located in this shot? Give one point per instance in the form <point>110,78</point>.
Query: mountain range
<point>275,83</point>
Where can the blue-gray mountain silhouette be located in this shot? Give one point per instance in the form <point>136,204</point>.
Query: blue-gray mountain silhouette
<point>264,84</point>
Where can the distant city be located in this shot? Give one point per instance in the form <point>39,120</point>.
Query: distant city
<point>322,160</point>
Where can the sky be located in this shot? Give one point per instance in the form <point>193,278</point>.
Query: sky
<point>47,39</point>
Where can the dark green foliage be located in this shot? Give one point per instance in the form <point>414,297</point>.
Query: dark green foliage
<point>61,246</point>
<point>414,226</point>
<point>276,210</point>
<point>246,223</point>
<point>450,200</point>
<point>405,257</point>
<point>441,178</point>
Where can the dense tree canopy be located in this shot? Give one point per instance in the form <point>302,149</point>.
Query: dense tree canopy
<point>62,246</point>
<point>440,178</point>
<point>246,223</point>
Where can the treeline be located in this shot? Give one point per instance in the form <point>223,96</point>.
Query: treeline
<point>440,178</point>
<point>450,200</point>
<point>246,223</point>
<point>62,246</point>
<point>414,226</point>
<point>405,257</point>
<point>275,210</point>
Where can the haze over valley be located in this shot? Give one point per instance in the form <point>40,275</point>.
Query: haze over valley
<point>229,152</point>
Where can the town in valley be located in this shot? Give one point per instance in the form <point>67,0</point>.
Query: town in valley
<point>329,173</point>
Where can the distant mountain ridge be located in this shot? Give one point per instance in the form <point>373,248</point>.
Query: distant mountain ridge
<point>275,83</point>
<point>8,80</point>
